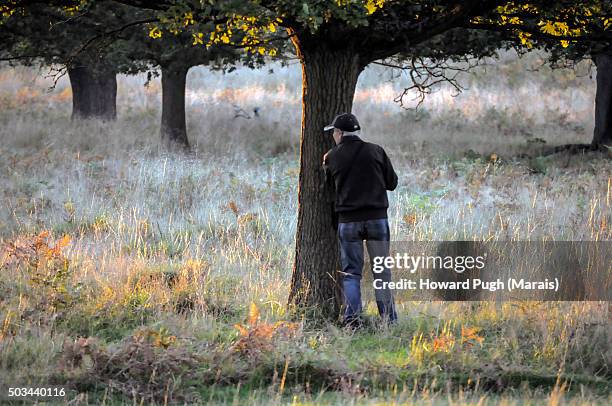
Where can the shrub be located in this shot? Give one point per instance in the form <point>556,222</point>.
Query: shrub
<point>40,277</point>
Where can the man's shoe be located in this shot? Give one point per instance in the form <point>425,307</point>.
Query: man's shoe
<point>353,323</point>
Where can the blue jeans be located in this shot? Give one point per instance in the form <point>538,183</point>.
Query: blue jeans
<point>351,236</point>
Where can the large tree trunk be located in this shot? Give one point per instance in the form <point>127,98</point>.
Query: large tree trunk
<point>173,124</point>
<point>94,92</point>
<point>329,79</point>
<point>603,101</point>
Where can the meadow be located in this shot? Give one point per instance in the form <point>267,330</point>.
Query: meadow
<point>133,275</point>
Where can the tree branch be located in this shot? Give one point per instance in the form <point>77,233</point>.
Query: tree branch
<point>426,76</point>
<point>106,34</point>
<point>410,34</point>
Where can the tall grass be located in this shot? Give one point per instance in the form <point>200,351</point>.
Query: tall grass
<point>165,253</point>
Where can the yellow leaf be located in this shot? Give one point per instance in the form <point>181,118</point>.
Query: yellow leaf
<point>188,19</point>
<point>253,314</point>
<point>155,32</point>
<point>197,39</point>
<point>525,40</point>
<point>370,6</point>
<point>6,11</point>
<point>63,242</point>
<point>548,28</point>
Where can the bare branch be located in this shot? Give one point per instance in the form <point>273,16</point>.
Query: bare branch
<point>56,74</point>
<point>427,76</point>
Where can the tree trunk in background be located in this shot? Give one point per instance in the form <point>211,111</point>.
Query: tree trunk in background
<point>173,124</point>
<point>329,79</point>
<point>603,101</point>
<point>94,92</point>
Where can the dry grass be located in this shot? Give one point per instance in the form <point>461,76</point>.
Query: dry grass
<point>166,254</point>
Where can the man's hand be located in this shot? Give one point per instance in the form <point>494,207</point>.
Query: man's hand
<point>325,158</point>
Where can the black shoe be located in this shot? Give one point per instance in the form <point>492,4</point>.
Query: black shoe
<point>352,323</point>
<point>386,322</point>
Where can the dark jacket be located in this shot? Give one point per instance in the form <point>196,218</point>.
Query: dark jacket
<point>361,173</point>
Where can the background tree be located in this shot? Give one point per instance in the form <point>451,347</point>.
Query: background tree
<point>172,51</point>
<point>49,35</point>
<point>568,54</point>
<point>602,135</point>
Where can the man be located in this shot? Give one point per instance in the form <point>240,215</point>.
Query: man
<point>361,173</point>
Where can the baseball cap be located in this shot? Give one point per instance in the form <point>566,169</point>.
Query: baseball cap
<point>344,122</point>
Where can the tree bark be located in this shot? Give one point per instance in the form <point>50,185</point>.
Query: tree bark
<point>94,92</point>
<point>603,101</point>
<point>329,79</point>
<point>173,123</point>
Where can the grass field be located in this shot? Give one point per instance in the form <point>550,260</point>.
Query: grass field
<point>134,276</point>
